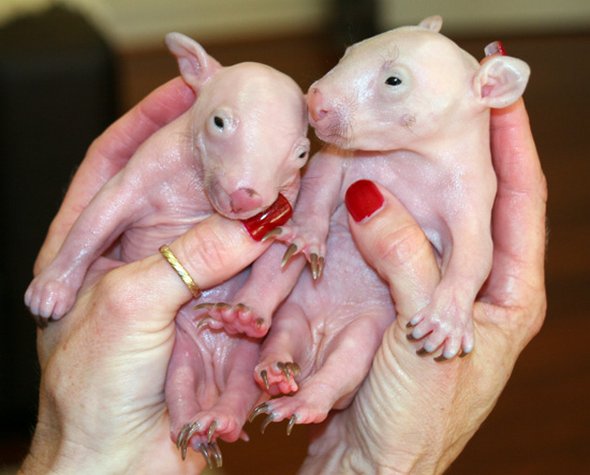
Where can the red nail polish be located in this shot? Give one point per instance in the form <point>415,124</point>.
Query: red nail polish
<point>496,47</point>
<point>275,215</point>
<point>362,199</point>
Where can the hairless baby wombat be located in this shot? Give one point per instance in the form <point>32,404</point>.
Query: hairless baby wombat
<point>410,110</point>
<point>242,143</point>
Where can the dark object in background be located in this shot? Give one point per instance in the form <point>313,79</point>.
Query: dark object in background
<point>353,21</point>
<point>56,96</point>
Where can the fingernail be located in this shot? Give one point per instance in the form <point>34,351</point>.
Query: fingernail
<point>275,215</point>
<point>363,199</point>
<point>495,47</point>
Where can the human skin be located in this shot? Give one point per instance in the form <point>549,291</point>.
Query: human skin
<point>102,403</point>
<point>414,414</point>
<point>411,415</point>
<point>240,145</point>
<point>217,157</point>
<point>438,165</point>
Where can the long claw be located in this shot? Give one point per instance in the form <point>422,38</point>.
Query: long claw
<point>264,376</point>
<point>291,423</point>
<point>260,409</point>
<point>289,253</point>
<point>315,266</point>
<point>266,423</point>
<point>289,369</point>
<point>204,322</point>
<point>205,452</point>
<point>185,436</point>
<point>295,369</point>
<point>321,263</point>
<point>271,234</point>
<point>217,454</point>
<point>203,306</point>
<point>211,431</point>
<point>284,367</point>
<point>182,435</point>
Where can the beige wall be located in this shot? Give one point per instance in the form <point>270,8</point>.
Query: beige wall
<point>134,22</point>
<point>130,23</point>
<point>473,16</point>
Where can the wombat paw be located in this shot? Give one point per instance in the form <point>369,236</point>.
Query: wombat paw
<point>49,298</point>
<point>234,319</point>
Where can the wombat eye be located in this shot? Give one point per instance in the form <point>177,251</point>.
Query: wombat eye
<point>393,81</point>
<point>303,154</point>
<point>218,121</point>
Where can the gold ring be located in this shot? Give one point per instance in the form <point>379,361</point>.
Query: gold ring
<point>180,270</point>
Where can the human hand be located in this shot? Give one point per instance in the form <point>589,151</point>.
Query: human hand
<point>414,414</point>
<point>109,153</point>
<point>102,404</point>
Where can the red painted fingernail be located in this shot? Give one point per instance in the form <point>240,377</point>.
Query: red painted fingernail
<point>275,215</point>
<point>496,47</point>
<point>362,199</point>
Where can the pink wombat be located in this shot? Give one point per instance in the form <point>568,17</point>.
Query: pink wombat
<point>242,142</point>
<point>410,110</point>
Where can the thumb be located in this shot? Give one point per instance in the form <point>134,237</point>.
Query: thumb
<point>393,243</point>
<point>211,252</point>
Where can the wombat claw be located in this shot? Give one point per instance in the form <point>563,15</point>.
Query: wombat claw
<point>264,376</point>
<point>292,422</point>
<point>289,253</point>
<point>210,450</point>
<point>262,409</point>
<point>184,436</point>
<point>272,234</point>
<point>211,431</point>
<point>204,322</point>
<point>212,453</point>
<point>289,369</point>
<point>317,266</point>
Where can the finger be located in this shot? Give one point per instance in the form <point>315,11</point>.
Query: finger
<point>212,252</point>
<point>110,152</point>
<point>518,221</point>
<point>394,244</point>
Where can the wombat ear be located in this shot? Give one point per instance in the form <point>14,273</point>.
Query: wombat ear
<point>500,81</point>
<point>195,65</point>
<point>432,23</point>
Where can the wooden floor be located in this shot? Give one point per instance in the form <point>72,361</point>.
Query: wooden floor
<point>541,424</point>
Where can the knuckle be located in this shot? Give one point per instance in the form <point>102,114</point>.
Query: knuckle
<point>207,254</point>
<point>401,246</point>
<point>116,293</point>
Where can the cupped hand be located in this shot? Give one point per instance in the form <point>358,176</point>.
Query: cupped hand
<point>103,366</point>
<point>109,153</point>
<point>415,413</point>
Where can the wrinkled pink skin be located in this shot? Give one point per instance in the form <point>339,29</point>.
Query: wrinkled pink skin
<point>426,139</point>
<point>189,169</point>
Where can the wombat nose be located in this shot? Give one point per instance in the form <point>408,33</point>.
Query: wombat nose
<point>245,199</point>
<point>316,106</point>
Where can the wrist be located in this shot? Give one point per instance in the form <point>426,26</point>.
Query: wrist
<point>60,450</point>
<point>52,452</point>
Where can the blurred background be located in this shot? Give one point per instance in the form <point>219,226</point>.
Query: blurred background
<point>69,68</point>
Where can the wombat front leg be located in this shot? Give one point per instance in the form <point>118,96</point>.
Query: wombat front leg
<point>307,232</point>
<point>447,321</point>
<point>52,293</point>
